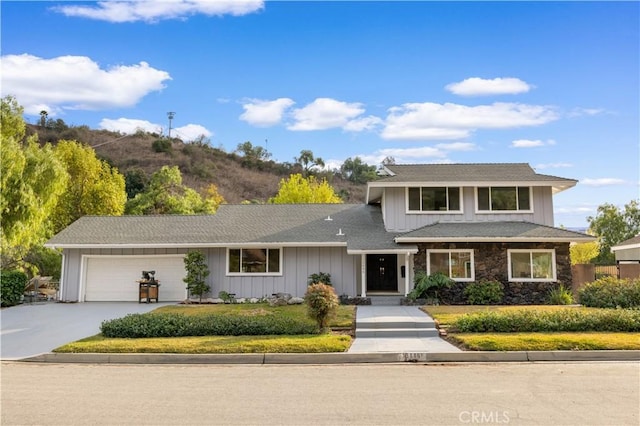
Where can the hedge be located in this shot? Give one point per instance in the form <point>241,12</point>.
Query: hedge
<point>567,320</point>
<point>12,285</point>
<point>179,325</point>
<point>611,292</point>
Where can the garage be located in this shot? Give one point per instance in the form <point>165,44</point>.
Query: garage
<point>114,278</point>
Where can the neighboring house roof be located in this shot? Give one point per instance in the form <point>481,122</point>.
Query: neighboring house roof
<point>497,174</point>
<point>491,232</point>
<point>631,243</point>
<point>359,227</point>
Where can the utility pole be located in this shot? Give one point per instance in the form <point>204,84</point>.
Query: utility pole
<point>170,114</point>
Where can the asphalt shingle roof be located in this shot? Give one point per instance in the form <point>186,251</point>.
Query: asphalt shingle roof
<point>498,172</point>
<point>496,231</point>
<point>360,226</point>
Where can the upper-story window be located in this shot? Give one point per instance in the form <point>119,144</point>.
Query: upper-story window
<point>434,199</point>
<point>504,198</point>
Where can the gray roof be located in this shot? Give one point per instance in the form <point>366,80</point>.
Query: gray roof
<point>468,174</point>
<point>627,244</point>
<point>358,227</point>
<point>492,231</point>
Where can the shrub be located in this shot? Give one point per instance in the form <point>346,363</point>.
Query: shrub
<point>428,285</point>
<point>611,292</point>
<point>320,278</point>
<point>484,293</point>
<point>195,263</point>
<point>567,319</point>
<point>180,325</point>
<point>162,145</point>
<point>560,295</point>
<point>322,303</point>
<point>12,285</point>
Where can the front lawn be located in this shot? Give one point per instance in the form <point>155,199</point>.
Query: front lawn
<point>337,341</point>
<point>515,317</point>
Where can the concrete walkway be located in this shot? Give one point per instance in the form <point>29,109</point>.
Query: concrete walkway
<point>399,329</point>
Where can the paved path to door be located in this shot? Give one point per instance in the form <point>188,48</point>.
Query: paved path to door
<point>387,318</point>
<point>32,329</point>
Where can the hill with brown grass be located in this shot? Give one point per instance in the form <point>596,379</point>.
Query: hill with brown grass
<point>238,178</point>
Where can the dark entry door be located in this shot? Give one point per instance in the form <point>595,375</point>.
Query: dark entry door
<point>382,272</point>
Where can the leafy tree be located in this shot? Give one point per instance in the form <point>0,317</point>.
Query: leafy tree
<point>166,194</point>
<point>583,252</point>
<point>309,190</point>
<point>95,188</point>
<point>308,162</point>
<point>195,264</point>
<point>356,171</point>
<point>212,198</point>
<point>253,155</point>
<point>31,181</point>
<point>135,182</point>
<point>613,225</point>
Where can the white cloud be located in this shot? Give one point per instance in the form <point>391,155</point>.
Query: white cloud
<point>190,132</point>
<point>601,181</point>
<point>476,86</point>
<point>552,166</point>
<point>131,125</point>
<point>262,113</point>
<point>579,112</point>
<point>457,146</point>
<point>76,82</point>
<point>528,143</point>
<point>153,10</point>
<point>326,113</point>
<point>363,124</point>
<point>432,121</point>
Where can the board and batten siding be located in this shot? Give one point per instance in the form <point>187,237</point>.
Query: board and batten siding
<point>398,220</point>
<point>297,263</point>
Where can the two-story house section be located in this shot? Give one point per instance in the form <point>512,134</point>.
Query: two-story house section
<point>469,221</point>
<point>479,222</point>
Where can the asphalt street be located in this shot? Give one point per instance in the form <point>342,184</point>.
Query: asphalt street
<point>549,393</point>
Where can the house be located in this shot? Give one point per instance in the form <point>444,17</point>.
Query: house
<point>469,221</point>
<point>628,257</point>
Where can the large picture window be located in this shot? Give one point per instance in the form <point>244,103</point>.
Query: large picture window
<point>254,261</point>
<point>456,264</point>
<point>434,199</point>
<point>532,265</point>
<point>504,198</point>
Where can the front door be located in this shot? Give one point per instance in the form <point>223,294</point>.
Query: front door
<point>382,272</point>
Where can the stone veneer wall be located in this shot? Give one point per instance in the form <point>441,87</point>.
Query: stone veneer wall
<point>491,264</point>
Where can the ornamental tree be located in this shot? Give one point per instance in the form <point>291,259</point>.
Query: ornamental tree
<point>300,190</point>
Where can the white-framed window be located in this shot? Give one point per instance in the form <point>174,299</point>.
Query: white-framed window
<point>254,261</point>
<point>432,199</point>
<point>456,264</point>
<point>504,199</point>
<point>532,265</point>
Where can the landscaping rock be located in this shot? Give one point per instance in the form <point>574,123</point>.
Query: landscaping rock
<point>295,301</point>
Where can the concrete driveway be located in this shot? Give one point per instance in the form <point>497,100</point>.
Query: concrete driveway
<point>32,329</point>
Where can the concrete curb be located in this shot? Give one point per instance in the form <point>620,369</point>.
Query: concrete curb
<point>337,358</point>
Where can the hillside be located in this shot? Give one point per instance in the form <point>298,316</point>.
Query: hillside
<point>238,179</point>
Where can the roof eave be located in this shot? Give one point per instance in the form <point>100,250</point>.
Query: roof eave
<point>197,245</point>
<point>491,239</point>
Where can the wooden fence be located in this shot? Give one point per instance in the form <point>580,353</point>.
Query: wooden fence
<point>606,270</point>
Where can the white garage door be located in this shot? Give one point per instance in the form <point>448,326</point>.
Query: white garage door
<point>113,278</point>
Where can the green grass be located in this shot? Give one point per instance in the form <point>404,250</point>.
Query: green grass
<point>344,319</point>
<point>546,341</point>
<point>212,344</point>
<point>549,341</point>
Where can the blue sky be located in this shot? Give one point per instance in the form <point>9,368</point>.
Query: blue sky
<point>555,85</point>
